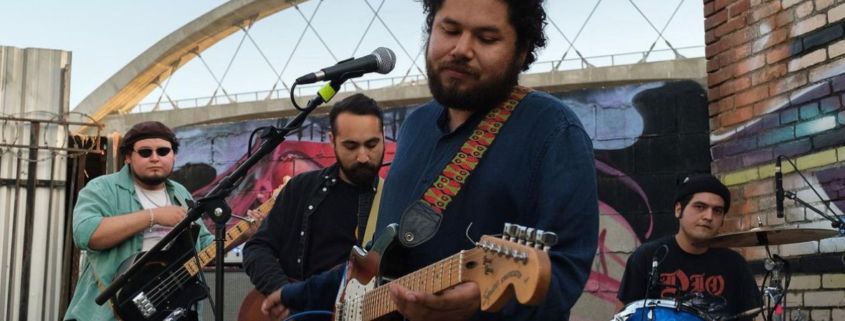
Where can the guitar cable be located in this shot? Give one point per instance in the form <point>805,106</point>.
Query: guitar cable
<point>201,276</point>
<point>307,313</point>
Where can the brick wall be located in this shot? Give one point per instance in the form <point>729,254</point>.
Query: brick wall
<point>776,77</point>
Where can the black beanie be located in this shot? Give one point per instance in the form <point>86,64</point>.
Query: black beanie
<point>703,183</point>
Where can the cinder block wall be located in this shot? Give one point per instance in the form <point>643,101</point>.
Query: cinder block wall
<point>776,76</point>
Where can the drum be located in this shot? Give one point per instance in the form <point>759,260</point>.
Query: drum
<point>659,310</point>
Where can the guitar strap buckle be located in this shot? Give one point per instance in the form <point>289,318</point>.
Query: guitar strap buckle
<point>418,224</point>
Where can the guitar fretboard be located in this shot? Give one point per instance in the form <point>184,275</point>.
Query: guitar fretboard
<point>431,279</point>
<point>210,251</point>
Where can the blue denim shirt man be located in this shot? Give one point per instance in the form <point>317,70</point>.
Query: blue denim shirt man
<point>540,171</point>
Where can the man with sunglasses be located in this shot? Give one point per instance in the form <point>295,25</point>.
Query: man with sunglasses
<point>119,214</point>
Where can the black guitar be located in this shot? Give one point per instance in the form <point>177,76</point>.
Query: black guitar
<point>168,283</point>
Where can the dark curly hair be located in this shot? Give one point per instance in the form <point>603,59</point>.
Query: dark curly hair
<point>526,16</point>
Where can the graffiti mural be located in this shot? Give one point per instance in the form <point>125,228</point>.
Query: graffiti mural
<point>646,136</point>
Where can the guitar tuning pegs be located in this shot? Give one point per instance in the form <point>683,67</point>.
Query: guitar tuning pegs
<point>521,232</point>
<point>537,238</point>
<point>529,236</point>
<point>508,232</point>
<point>547,239</point>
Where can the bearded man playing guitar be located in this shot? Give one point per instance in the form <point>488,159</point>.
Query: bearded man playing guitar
<point>321,214</point>
<point>539,172</point>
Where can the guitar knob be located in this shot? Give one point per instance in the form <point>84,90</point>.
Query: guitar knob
<point>538,239</point>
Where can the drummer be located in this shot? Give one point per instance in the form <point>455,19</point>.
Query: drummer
<point>716,281</point>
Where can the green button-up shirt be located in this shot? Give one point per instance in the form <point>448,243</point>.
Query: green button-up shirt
<point>107,196</point>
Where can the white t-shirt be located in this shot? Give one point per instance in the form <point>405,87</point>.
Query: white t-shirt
<point>153,199</point>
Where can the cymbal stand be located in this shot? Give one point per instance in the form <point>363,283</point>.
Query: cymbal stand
<point>776,269</point>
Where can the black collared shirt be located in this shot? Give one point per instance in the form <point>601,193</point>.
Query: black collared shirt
<point>311,228</point>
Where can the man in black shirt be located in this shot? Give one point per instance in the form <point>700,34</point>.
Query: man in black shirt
<point>320,215</point>
<point>716,281</point>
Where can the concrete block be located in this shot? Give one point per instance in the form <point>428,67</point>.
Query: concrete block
<point>799,248</point>
<point>795,299</point>
<point>832,245</point>
<point>824,298</point>
<point>833,281</point>
<point>805,282</point>
<point>820,315</point>
<point>836,13</point>
<point>837,314</point>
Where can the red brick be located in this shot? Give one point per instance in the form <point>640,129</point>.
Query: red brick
<point>721,4</point>
<point>777,54</point>
<point>716,48</point>
<point>738,8</point>
<point>741,52</point>
<point>719,76</point>
<point>715,20</point>
<point>731,26</point>
<point>713,108</point>
<point>750,64</point>
<point>727,103</point>
<point>785,84</point>
<point>764,10</point>
<point>741,37</point>
<point>741,83</point>
<point>714,122</point>
<point>758,188</point>
<point>752,95</point>
<point>710,37</point>
<point>784,18</point>
<point>712,65</point>
<point>764,107</point>
<point>737,116</point>
<point>708,9</point>
<point>770,72</point>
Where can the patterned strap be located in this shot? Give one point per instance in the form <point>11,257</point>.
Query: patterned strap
<point>456,173</point>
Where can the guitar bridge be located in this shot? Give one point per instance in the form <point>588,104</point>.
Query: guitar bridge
<point>144,305</point>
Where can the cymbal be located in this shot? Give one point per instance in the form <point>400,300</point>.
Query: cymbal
<point>771,236</point>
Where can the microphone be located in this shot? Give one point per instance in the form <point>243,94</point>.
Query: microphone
<point>778,187</point>
<point>655,261</point>
<point>382,60</point>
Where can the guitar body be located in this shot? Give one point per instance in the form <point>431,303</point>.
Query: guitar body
<point>250,309</point>
<point>162,285</point>
<point>363,274</point>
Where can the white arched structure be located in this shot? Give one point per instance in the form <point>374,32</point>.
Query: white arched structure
<point>136,80</point>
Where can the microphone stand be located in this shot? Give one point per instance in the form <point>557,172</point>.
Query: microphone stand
<point>213,204</point>
<point>836,221</point>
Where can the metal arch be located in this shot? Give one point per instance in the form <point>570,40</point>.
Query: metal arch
<point>122,91</point>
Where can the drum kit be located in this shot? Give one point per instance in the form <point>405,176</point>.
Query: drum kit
<point>681,310</point>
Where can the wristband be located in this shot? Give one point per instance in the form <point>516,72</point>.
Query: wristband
<point>152,218</point>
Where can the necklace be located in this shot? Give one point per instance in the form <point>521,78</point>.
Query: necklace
<point>150,199</point>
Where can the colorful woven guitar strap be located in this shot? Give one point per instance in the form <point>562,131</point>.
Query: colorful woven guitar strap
<point>456,173</point>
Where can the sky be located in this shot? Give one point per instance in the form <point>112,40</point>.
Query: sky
<point>105,35</point>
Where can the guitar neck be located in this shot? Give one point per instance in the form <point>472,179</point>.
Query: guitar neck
<point>210,252</point>
<point>431,279</point>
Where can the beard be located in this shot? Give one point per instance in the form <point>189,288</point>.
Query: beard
<point>153,180</point>
<point>360,174</point>
<point>482,97</point>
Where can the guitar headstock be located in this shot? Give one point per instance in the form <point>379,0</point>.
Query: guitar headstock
<point>517,263</point>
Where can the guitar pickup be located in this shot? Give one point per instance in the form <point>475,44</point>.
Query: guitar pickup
<point>144,305</point>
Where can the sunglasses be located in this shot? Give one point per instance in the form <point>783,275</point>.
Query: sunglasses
<point>147,152</point>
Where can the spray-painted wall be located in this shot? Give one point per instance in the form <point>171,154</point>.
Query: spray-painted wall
<point>645,137</point>
<point>776,74</point>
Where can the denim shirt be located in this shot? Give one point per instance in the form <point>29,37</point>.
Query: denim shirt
<point>540,172</point>
<point>106,196</point>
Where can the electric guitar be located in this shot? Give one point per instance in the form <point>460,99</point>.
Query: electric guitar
<point>167,285</point>
<point>517,264</point>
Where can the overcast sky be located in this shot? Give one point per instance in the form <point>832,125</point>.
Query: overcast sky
<point>105,35</point>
